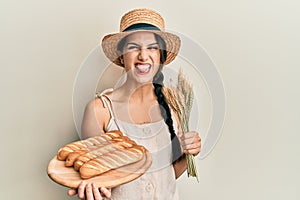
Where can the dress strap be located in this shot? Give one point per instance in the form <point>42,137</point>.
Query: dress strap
<point>107,103</point>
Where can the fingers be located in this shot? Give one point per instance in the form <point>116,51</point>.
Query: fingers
<point>191,143</point>
<point>90,191</point>
<point>106,192</point>
<point>72,192</point>
<point>179,134</point>
<point>96,192</point>
<point>191,136</point>
<point>193,151</point>
<point>81,190</point>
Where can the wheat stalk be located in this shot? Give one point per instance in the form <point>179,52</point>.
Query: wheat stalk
<point>180,98</point>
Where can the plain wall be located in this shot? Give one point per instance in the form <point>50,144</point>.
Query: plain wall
<point>255,45</point>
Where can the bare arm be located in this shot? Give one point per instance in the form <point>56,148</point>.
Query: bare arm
<point>94,122</point>
<point>180,166</point>
<point>95,119</point>
<point>190,143</point>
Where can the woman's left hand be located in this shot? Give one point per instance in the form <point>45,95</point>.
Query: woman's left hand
<point>190,142</point>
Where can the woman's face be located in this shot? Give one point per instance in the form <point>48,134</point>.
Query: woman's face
<point>141,56</point>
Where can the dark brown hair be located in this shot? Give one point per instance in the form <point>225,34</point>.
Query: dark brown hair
<point>158,85</point>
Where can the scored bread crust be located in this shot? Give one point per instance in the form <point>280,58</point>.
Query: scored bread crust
<point>86,144</point>
<point>114,145</point>
<point>111,160</point>
<point>99,154</point>
<point>72,157</point>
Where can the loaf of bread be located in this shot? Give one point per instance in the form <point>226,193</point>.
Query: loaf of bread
<point>114,145</point>
<point>86,144</point>
<point>111,160</point>
<point>74,155</point>
<point>99,154</point>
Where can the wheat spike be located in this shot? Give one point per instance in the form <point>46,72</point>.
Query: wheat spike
<point>181,99</point>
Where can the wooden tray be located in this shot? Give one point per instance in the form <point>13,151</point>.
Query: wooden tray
<point>68,177</point>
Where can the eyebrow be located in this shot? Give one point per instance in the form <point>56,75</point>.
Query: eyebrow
<point>140,45</point>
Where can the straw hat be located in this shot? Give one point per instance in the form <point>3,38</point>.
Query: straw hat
<point>140,20</point>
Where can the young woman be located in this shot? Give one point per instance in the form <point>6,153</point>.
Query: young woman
<point>138,109</point>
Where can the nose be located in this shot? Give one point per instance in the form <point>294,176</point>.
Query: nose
<point>143,54</point>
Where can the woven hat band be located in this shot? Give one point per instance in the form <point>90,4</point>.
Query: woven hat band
<point>141,26</point>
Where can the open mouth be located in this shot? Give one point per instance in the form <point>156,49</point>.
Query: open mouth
<point>142,68</point>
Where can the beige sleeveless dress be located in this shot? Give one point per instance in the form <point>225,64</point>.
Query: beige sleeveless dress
<point>159,181</point>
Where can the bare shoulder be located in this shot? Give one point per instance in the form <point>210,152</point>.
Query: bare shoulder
<point>97,107</point>
<point>95,119</point>
<point>95,103</point>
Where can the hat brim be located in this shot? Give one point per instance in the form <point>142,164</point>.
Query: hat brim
<point>111,41</point>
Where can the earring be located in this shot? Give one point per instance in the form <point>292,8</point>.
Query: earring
<point>121,60</point>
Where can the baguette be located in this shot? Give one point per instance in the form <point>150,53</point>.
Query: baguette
<point>111,160</point>
<point>99,154</point>
<point>85,144</point>
<point>115,144</point>
<point>71,158</point>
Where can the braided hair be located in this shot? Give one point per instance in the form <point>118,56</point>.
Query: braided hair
<point>164,107</point>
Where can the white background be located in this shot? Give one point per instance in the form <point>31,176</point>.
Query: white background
<point>255,45</point>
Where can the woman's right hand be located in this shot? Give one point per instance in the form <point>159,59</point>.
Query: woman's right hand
<point>90,191</point>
